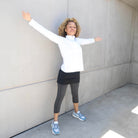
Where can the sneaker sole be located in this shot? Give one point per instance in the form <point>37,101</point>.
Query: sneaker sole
<point>78,117</point>
<point>54,132</point>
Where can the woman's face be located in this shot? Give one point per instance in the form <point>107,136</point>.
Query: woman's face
<point>71,28</point>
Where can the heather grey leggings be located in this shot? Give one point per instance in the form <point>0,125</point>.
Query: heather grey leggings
<point>61,93</point>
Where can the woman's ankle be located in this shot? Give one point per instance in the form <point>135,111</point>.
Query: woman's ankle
<point>56,116</point>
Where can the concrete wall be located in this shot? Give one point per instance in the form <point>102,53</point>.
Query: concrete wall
<point>30,62</point>
<point>134,63</point>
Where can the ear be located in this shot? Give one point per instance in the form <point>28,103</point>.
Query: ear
<point>65,30</point>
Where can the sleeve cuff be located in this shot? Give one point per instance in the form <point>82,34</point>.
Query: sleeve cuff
<point>31,22</point>
<point>93,40</point>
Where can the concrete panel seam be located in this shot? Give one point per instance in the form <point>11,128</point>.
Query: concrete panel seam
<point>3,90</point>
<point>132,35</point>
<point>127,3</point>
<point>106,67</point>
<point>21,86</point>
<point>67,8</point>
<point>107,34</point>
<point>135,62</point>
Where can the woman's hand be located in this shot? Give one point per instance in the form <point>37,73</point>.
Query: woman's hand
<point>26,16</point>
<point>98,39</point>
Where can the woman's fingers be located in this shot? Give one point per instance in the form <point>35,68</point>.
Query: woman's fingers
<point>26,16</point>
<point>98,38</point>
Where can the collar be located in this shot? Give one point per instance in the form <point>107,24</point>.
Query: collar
<point>70,37</point>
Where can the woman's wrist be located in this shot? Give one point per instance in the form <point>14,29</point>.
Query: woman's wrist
<point>30,19</point>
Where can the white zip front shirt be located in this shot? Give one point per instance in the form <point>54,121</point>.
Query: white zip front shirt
<point>69,46</point>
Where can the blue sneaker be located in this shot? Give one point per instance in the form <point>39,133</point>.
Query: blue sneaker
<point>55,128</point>
<point>79,116</point>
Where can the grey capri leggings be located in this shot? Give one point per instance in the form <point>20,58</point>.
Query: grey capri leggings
<point>61,93</point>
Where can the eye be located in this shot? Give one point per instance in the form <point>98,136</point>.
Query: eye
<point>72,27</point>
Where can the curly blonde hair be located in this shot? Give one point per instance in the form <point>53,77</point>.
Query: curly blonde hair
<point>62,27</point>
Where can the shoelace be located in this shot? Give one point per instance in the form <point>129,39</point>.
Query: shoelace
<point>56,126</point>
<point>80,115</point>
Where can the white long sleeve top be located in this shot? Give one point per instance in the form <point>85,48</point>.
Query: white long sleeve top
<point>69,46</point>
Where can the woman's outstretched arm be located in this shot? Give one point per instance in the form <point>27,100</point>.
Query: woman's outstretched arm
<point>50,35</point>
<point>83,41</point>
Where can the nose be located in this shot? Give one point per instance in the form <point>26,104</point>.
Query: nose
<point>72,28</point>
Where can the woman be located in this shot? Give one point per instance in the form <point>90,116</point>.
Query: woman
<point>71,52</point>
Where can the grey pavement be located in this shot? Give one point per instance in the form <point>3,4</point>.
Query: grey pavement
<point>108,116</point>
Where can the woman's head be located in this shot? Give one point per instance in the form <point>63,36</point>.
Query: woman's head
<point>70,26</point>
